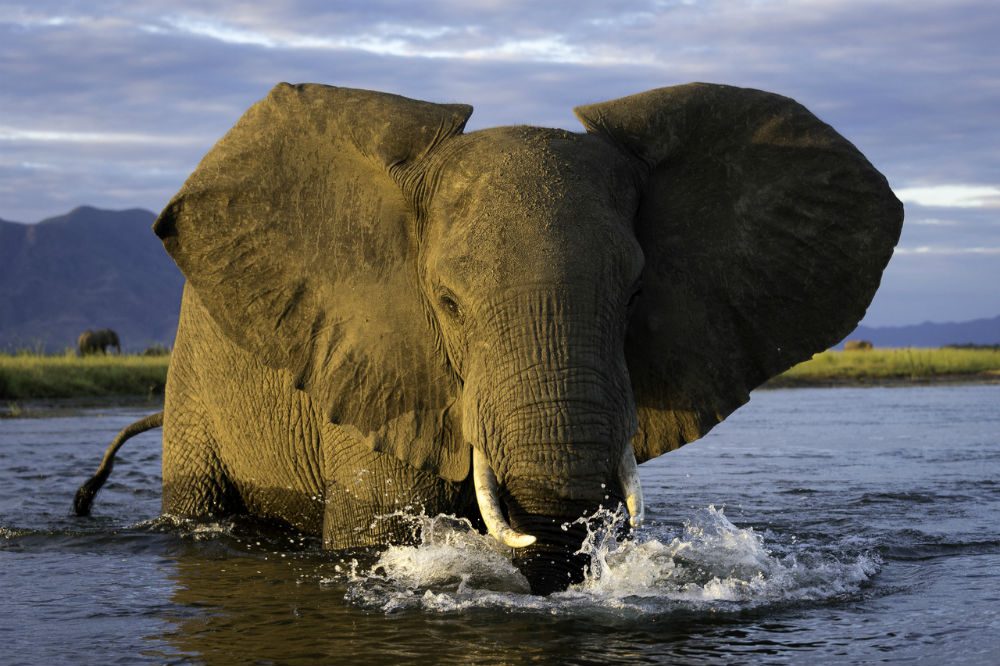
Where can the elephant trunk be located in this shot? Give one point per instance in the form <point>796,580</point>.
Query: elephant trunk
<point>550,414</point>
<point>554,561</point>
<point>556,528</point>
<point>547,548</point>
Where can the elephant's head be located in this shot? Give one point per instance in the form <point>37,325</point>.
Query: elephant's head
<point>111,339</point>
<point>555,306</point>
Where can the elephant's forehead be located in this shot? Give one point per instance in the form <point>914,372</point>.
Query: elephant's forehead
<point>517,199</point>
<point>521,167</point>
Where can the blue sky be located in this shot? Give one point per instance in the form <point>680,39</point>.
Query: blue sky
<point>112,104</point>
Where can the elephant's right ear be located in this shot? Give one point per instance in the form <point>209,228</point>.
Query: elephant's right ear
<point>765,235</point>
<point>296,236</point>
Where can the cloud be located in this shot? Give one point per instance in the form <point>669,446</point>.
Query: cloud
<point>952,196</point>
<point>54,136</point>
<point>933,222</point>
<point>387,39</point>
<point>963,230</point>
<point>946,251</point>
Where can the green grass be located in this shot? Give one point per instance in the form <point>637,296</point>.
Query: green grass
<point>894,365</point>
<point>27,376</point>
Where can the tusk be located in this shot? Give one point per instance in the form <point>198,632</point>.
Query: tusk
<point>628,475</point>
<point>489,504</point>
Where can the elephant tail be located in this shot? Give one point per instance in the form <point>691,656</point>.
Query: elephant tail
<point>85,495</point>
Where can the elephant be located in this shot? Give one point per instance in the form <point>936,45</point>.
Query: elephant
<point>97,342</point>
<point>858,345</point>
<point>386,314</point>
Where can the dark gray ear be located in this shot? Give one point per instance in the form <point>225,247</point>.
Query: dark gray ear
<point>765,234</point>
<point>298,240</point>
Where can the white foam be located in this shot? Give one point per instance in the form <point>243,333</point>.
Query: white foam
<point>710,564</point>
<point>451,554</point>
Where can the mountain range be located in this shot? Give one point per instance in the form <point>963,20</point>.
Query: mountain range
<point>95,268</point>
<point>930,334</point>
<point>89,268</point>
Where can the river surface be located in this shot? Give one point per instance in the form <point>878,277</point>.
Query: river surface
<point>813,526</point>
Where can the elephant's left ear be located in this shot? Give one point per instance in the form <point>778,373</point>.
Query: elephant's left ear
<point>297,237</point>
<point>765,234</point>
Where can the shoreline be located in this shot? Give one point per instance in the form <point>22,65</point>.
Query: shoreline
<point>954,379</point>
<point>28,408</point>
<point>44,407</point>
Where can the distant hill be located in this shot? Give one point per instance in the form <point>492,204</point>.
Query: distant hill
<point>89,268</point>
<point>929,334</point>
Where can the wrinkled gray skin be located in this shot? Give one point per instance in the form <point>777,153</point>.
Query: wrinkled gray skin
<point>97,342</point>
<point>373,293</point>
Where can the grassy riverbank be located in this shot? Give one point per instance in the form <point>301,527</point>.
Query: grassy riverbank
<point>893,366</point>
<point>34,377</point>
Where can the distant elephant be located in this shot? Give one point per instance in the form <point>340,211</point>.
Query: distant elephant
<point>858,345</point>
<point>384,314</point>
<point>97,342</point>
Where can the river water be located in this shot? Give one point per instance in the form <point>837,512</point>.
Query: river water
<point>828,525</point>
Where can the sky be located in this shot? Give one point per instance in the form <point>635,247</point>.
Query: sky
<point>112,104</point>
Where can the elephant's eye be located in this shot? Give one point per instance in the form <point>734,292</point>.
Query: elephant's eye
<point>450,305</point>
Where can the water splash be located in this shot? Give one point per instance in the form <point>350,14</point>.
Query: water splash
<point>715,563</point>
<point>710,565</point>
<point>452,561</point>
